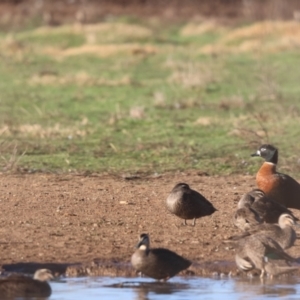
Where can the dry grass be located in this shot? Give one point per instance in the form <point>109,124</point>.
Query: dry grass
<point>137,112</point>
<point>81,79</point>
<point>263,30</point>
<point>103,32</point>
<point>10,163</point>
<point>268,36</point>
<point>102,50</point>
<point>13,49</point>
<point>205,121</point>
<point>103,40</point>
<point>159,99</point>
<point>232,102</point>
<point>207,26</point>
<point>191,74</point>
<point>109,39</point>
<point>166,87</point>
<point>38,131</point>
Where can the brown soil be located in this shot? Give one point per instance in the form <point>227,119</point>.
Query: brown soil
<point>96,220</point>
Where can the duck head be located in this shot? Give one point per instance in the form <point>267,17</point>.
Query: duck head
<point>144,242</point>
<point>181,187</point>
<point>268,152</point>
<point>43,275</point>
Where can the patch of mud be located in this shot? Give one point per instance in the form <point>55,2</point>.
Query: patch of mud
<point>112,268</point>
<point>96,220</point>
<point>30,268</point>
<point>100,268</point>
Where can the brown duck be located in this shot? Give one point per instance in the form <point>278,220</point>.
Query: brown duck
<point>268,210</point>
<point>278,186</point>
<point>188,204</point>
<point>246,218</point>
<point>282,233</point>
<point>261,252</point>
<point>16,286</point>
<point>158,263</point>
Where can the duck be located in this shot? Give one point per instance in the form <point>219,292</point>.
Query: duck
<point>246,218</point>
<point>157,263</point>
<point>17,285</point>
<point>260,252</point>
<point>268,210</point>
<point>280,187</point>
<point>283,232</point>
<point>279,267</point>
<point>188,204</point>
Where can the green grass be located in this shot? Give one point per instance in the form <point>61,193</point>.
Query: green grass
<point>170,109</point>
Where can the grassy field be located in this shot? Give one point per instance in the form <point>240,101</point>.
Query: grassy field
<point>144,96</point>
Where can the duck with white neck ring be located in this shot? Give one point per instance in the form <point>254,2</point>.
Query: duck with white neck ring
<point>157,263</point>
<point>278,186</point>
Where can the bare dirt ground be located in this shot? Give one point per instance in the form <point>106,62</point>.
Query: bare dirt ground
<point>95,221</point>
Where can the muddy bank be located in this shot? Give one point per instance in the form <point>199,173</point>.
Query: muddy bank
<point>214,269</point>
<point>119,269</point>
<point>89,225</point>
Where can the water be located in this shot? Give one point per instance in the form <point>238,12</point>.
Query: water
<point>177,288</point>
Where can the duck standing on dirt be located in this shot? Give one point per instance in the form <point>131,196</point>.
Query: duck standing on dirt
<point>283,233</point>
<point>157,263</point>
<point>278,186</point>
<point>268,210</point>
<point>188,204</point>
<point>263,253</point>
<point>246,218</point>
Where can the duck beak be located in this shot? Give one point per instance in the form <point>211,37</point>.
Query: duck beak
<point>257,153</point>
<point>139,244</point>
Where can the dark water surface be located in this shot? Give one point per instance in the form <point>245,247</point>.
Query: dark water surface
<point>177,288</point>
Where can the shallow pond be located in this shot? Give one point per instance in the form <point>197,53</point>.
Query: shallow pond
<point>177,288</point>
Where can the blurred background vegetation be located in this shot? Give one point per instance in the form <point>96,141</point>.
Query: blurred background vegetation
<point>148,86</point>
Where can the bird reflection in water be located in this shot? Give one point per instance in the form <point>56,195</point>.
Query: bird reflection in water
<point>143,289</point>
<point>277,286</point>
